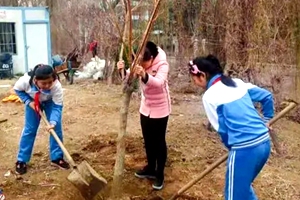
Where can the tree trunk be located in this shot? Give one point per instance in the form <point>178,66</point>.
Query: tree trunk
<point>240,16</point>
<point>119,164</point>
<point>9,3</point>
<point>220,31</point>
<point>124,37</point>
<point>195,42</point>
<point>110,76</point>
<point>247,9</point>
<point>297,36</point>
<point>52,5</point>
<point>82,46</point>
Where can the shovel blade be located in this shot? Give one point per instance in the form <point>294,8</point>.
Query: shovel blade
<point>87,180</point>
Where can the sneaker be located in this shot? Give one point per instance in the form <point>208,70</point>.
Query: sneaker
<point>2,196</point>
<point>61,163</point>
<point>158,184</point>
<point>21,167</point>
<point>145,173</point>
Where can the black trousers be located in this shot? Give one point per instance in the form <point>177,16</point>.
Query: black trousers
<point>154,133</point>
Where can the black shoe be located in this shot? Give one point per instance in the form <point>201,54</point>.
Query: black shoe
<point>145,173</point>
<point>158,184</point>
<point>61,163</point>
<point>21,167</point>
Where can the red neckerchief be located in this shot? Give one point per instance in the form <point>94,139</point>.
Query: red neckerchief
<point>37,106</point>
<point>217,80</point>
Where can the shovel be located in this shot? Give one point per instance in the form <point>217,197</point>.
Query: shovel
<point>222,159</point>
<point>83,176</point>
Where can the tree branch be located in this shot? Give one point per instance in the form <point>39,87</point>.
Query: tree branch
<point>129,32</point>
<point>137,6</point>
<point>141,48</point>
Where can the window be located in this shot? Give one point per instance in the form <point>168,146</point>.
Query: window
<point>7,38</point>
<point>135,21</point>
<point>135,17</point>
<point>135,2</point>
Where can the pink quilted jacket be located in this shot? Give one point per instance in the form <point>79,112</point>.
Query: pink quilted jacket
<point>156,102</point>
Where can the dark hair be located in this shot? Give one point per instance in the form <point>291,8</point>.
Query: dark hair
<point>42,72</point>
<point>210,65</point>
<point>151,51</point>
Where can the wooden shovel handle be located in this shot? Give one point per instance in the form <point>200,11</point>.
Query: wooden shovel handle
<point>273,136</point>
<point>200,176</point>
<point>282,113</point>
<point>224,157</point>
<point>53,133</point>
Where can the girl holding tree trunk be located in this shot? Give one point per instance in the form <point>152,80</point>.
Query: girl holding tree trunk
<point>154,110</point>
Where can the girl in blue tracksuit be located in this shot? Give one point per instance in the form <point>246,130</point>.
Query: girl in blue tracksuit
<point>40,89</point>
<point>228,104</point>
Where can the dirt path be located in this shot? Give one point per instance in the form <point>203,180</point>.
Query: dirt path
<point>91,119</point>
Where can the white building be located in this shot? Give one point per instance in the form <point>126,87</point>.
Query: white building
<point>25,32</point>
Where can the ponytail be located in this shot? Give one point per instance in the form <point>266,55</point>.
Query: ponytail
<point>226,80</point>
<point>32,74</point>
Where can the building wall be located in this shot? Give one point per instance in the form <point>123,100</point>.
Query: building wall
<point>33,37</point>
<point>15,16</point>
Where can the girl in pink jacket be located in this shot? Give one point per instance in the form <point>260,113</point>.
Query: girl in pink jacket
<point>154,110</point>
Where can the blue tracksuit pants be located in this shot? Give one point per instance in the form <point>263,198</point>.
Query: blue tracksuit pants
<point>243,165</point>
<point>29,133</point>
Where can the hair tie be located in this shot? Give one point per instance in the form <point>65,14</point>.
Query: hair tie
<point>193,68</point>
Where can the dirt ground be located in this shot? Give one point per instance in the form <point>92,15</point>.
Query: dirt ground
<point>91,119</point>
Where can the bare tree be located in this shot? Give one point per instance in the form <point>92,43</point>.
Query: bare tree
<point>129,87</point>
<point>296,12</point>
